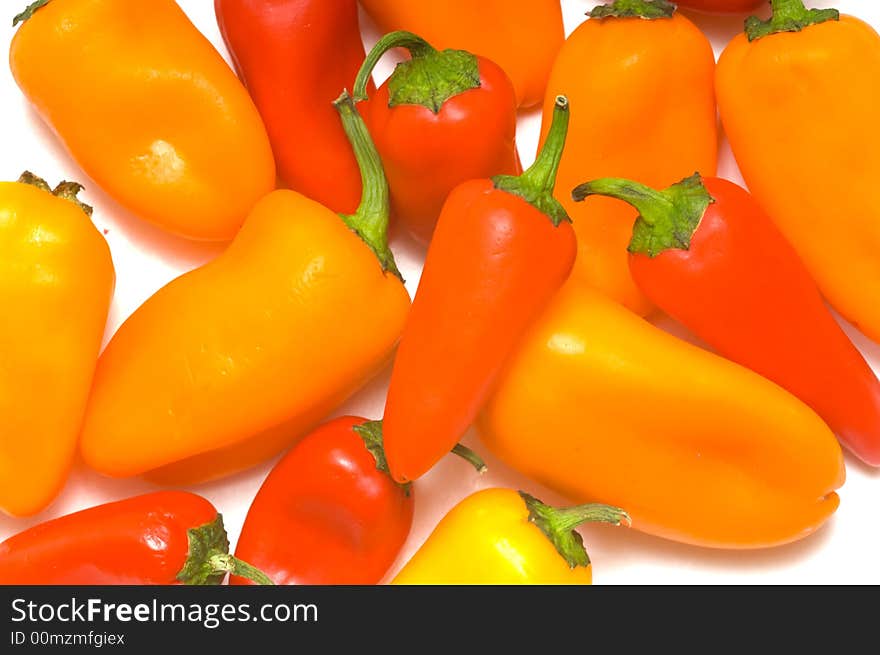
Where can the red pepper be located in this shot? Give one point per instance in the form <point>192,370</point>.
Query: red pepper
<point>160,538</point>
<point>329,513</point>
<point>704,252</point>
<point>722,6</point>
<point>501,250</point>
<point>294,56</point>
<point>442,118</point>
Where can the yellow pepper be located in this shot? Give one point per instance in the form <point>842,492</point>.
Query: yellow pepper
<point>500,536</point>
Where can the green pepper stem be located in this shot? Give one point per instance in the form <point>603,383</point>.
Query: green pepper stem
<point>223,563</point>
<point>652,205</point>
<point>29,11</point>
<point>471,457</point>
<point>536,184</point>
<point>558,525</point>
<point>208,560</point>
<point>788,16</point>
<point>415,44</point>
<point>370,221</point>
<point>65,190</point>
<point>646,9</point>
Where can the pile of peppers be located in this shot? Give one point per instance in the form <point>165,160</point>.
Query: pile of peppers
<point>528,323</point>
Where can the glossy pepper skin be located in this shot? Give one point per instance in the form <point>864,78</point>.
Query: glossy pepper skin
<point>441,119</point>
<point>294,56</point>
<point>56,282</point>
<point>601,406</point>
<point>228,364</point>
<point>722,6</point>
<point>148,108</point>
<point>329,513</point>
<point>501,250</point>
<point>705,253</point>
<point>521,36</point>
<point>656,125</point>
<point>816,177</point>
<point>160,538</point>
<point>499,536</point>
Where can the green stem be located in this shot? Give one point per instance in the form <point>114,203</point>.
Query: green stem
<point>788,16</point>
<point>558,525</point>
<point>29,11</point>
<point>647,9</point>
<point>65,190</point>
<point>415,44</point>
<point>208,560</point>
<point>471,457</point>
<point>536,185</point>
<point>370,221</point>
<point>667,219</point>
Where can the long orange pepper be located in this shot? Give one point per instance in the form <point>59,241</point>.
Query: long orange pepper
<point>148,108</point>
<point>56,282</point>
<point>640,77</point>
<point>228,364</point>
<point>521,36</point>
<point>601,406</point>
<point>501,250</point>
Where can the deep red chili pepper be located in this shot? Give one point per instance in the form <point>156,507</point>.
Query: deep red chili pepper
<point>501,250</point>
<point>705,253</point>
<point>167,537</point>
<point>722,6</point>
<point>442,118</point>
<point>329,513</point>
<point>295,56</point>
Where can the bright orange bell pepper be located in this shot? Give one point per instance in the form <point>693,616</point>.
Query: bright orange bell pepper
<point>800,110</point>
<point>601,406</point>
<point>230,363</point>
<point>148,108</point>
<point>642,92</point>
<point>521,36</point>
<point>56,282</point>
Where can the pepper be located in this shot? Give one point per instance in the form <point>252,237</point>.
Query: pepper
<point>458,108</point>
<point>656,123</point>
<point>148,108</point>
<point>601,406</point>
<point>501,250</point>
<point>521,36</point>
<point>160,538</point>
<point>704,252</point>
<point>503,537</point>
<point>799,108</point>
<point>722,6</point>
<point>228,364</point>
<point>294,56</point>
<point>56,283</point>
<point>329,513</point>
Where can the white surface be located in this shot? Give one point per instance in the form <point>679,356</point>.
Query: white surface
<point>845,551</point>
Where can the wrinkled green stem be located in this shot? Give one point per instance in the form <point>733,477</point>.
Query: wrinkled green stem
<point>415,44</point>
<point>29,11</point>
<point>788,16</point>
<point>647,9</point>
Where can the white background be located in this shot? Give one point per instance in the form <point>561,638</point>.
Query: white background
<point>844,551</point>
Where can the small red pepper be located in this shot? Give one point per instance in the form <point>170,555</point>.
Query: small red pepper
<point>706,254</point>
<point>294,56</point>
<point>329,513</point>
<point>502,248</point>
<point>722,6</point>
<point>440,119</point>
<point>167,537</point>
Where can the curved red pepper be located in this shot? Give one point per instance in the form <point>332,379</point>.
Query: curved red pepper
<point>705,253</point>
<point>442,118</point>
<point>295,56</point>
<point>722,6</point>
<point>501,250</point>
<point>167,537</point>
<point>329,513</point>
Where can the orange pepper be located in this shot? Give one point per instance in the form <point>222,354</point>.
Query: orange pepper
<point>800,110</point>
<point>521,36</point>
<point>228,364</point>
<point>148,108</point>
<point>601,406</point>
<point>642,92</point>
<point>56,282</point>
